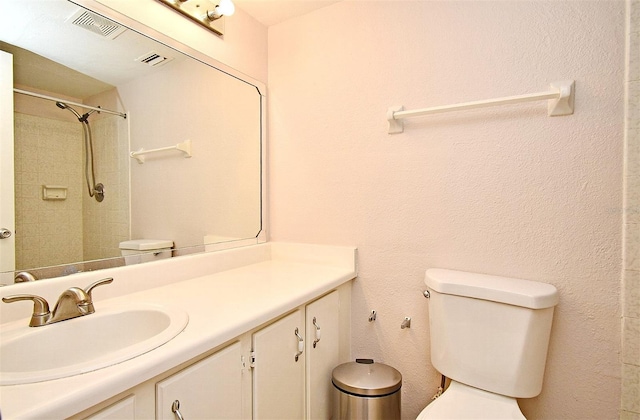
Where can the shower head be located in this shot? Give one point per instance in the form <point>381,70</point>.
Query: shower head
<point>62,105</point>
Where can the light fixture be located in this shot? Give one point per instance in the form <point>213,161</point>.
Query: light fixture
<point>208,13</point>
<point>225,8</point>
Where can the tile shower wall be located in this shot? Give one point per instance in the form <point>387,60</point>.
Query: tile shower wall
<point>47,152</point>
<point>631,284</point>
<point>50,152</point>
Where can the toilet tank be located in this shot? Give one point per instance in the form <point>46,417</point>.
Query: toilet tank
<point>490,332</point>
<point>137,251</point>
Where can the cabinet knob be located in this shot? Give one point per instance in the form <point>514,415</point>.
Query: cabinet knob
<point>175,409</point>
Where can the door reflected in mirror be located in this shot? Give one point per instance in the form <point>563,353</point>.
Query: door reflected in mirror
<point>67,156</point>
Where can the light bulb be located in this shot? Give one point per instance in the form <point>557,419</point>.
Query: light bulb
<point>225,8</point>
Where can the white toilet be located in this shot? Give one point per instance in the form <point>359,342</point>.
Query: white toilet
<point>137,251</point>
<point>489,335</point>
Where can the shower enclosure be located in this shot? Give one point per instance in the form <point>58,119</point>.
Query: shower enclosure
<point>62,151</point>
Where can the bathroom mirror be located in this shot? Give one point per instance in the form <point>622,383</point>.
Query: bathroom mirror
<point>203,195</point>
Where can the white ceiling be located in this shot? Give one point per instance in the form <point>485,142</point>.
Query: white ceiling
<point>271,12</point>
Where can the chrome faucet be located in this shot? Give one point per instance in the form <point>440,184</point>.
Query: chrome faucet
<point>72,303</point>
<point>24,276</point>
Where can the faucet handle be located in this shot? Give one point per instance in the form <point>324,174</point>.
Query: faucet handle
<point>41,313</point>
<point>92,286</point>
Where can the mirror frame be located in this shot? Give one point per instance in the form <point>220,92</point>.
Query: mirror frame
<point>144,30</point>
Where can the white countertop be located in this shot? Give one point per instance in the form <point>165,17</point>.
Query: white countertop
<point>221,306</point>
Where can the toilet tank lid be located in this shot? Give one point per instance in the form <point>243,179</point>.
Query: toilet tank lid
<point>146,244</point>
<point>518,292</point>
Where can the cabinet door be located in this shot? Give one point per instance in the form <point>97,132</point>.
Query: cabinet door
<point>209,389</point>
<point>324,356</point>
<point>278,378</point>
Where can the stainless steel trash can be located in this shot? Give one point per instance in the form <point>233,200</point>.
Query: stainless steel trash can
<point>364,390</point>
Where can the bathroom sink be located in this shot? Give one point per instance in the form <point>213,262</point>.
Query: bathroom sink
<point>109,336</point>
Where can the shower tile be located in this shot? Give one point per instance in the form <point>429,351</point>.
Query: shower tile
<point>631,294</point>
<point>633,200</point>
<point>29,230</point>
<point>635,15</point>
<point>628,415</point>
<point>27,191</point>
<point>633,113</point>
<point>632,247</point>
<point>633,152</point>
<point>634,56</point>
<point>631,388</point>
<point>28,178</point>
<point>631,345</point>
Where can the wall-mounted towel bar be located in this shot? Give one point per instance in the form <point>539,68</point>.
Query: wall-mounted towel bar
<point>560,97</point>
<point>184,147</point>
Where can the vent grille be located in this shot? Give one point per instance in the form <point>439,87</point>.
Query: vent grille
<point>96,24</point>
<point>153,59</point>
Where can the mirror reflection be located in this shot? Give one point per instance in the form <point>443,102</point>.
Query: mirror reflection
<point>85,98</point>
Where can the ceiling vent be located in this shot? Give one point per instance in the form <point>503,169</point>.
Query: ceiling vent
<point>97,24</point>
<point>153,59</point>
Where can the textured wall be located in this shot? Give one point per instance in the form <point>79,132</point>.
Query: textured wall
<point>505,191</point>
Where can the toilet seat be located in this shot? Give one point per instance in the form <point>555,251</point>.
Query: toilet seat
<point>461,401</point>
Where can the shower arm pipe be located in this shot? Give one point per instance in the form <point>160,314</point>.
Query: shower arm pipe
<point>560,96</point>
<point>51,98</point>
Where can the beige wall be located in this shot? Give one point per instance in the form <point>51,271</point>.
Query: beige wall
<point>631,284</point>
<point>505,191</point>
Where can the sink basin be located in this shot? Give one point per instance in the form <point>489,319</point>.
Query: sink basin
<point>109,336</point>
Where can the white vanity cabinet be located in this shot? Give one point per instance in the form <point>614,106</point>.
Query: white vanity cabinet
<point>294,358</point>
<point>256,376</point>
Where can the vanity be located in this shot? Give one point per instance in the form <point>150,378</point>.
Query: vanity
<point>266,325</point>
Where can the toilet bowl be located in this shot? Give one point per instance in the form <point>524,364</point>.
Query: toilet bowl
<point>461,401</point>
<point>490,336</point>
<point>137,251</point>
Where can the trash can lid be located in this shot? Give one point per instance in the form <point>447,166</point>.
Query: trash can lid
<point>366,378</point>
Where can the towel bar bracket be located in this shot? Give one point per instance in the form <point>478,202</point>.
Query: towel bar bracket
<point>395,125</point>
